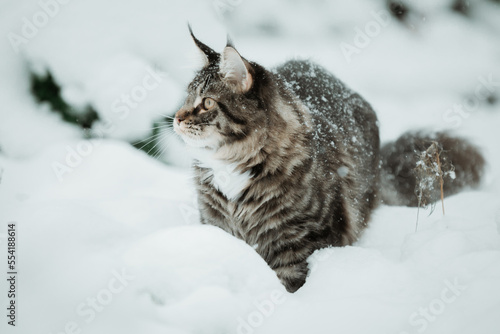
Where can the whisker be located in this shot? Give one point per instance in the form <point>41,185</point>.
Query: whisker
<point>150,139</point>
<point>152,148</point>
<point>166,116</point>
<point>162,127</point>
<point>149,142</point>
<point>162,150</point>
<point>168,131</point>
<point>156,125</point>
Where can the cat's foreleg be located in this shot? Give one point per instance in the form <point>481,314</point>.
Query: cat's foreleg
<point>292,276</point>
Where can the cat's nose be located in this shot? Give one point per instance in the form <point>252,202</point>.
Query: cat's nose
<point>178,120</point>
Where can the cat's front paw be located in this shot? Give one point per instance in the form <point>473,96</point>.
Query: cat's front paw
<point>292,276</point>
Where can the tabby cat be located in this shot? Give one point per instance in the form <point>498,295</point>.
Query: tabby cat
<point>289,160</point>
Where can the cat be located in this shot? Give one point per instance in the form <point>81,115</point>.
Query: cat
<point>289,160</point>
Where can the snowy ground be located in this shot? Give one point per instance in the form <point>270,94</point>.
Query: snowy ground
<point>111,242</point>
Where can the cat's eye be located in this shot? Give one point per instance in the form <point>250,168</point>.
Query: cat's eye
<point>208,103</point>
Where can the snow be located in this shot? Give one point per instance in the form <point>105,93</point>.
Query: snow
<point>108,237</point>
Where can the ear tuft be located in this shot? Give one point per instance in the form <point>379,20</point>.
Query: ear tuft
<point>234,70</point>
<point>209,55</point>
<point>229,41</point>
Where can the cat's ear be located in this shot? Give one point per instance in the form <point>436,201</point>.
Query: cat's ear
<point>208,54</point>
<point>234,70</point>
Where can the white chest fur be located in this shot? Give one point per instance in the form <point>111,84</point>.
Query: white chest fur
<point>225,177</point>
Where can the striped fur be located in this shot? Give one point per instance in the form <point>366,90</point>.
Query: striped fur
<point>308,144</point>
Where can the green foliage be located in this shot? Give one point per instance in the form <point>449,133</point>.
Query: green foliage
<point>151,145</point>
<point>46,90</point>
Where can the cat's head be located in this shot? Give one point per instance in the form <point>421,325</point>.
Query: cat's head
<point>224,102</point>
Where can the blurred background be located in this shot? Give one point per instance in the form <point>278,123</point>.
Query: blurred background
<point>113,69</point>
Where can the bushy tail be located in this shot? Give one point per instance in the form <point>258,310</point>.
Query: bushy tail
<point>417,165</point>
